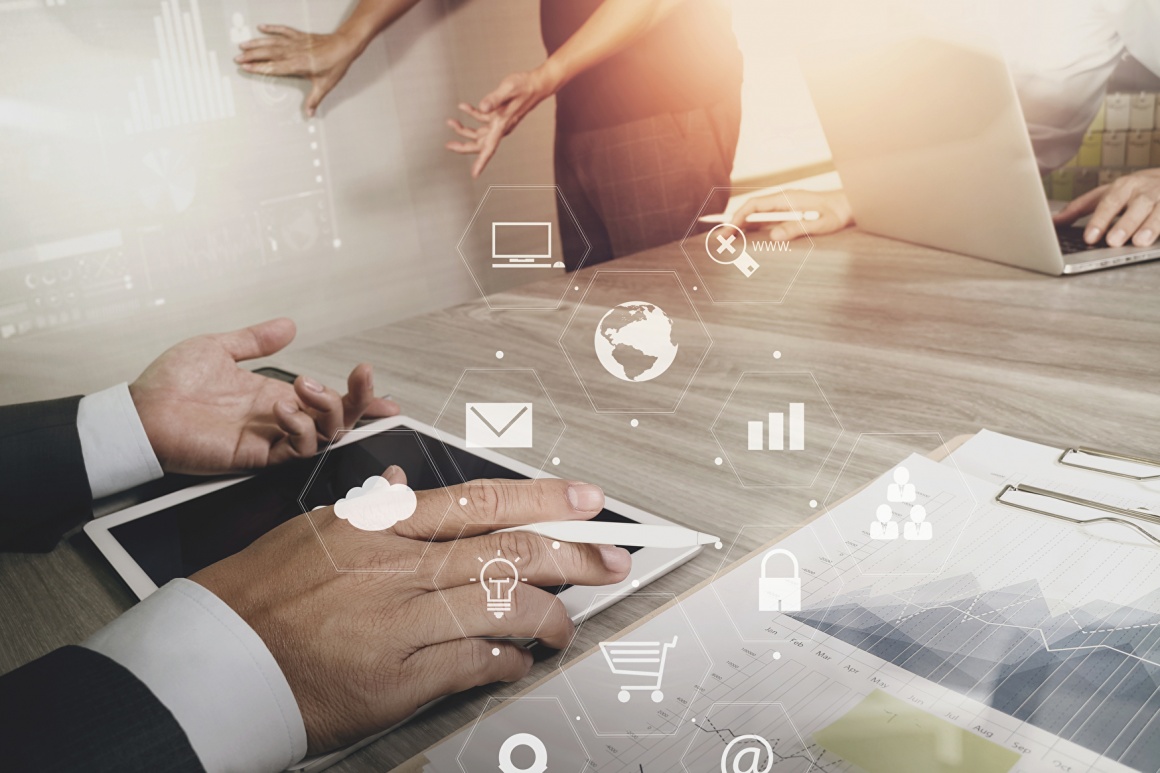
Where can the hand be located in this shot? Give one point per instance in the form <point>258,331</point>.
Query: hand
<point>363,650</point>
<point>324,59</point>
<point>833,210</point>
<point>205,415</point>
<point>1135,198</point>
<point>500,112</point>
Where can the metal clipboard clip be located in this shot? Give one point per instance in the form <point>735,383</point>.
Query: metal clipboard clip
<point>1106,463</point>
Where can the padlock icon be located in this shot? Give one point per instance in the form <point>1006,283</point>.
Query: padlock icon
<point>779,594</point>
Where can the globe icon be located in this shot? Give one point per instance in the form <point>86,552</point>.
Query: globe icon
<point>634,341</point>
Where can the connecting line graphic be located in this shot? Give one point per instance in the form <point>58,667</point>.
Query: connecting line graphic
<point>1028,629</point>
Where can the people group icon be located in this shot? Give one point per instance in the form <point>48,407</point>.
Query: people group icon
<point>902,491</point>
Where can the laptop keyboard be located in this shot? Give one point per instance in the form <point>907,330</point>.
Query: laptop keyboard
<point>1071,241</point>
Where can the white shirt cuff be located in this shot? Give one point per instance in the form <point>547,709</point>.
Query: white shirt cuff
<point>209,668</point>
<point>116,449</point>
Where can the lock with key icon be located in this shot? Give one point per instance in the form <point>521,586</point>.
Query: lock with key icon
<point>779,594</point>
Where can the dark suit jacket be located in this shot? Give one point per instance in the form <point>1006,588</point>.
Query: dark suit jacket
<point>73,709</point>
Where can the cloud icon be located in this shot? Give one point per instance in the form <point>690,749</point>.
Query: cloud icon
<point>376,504</point>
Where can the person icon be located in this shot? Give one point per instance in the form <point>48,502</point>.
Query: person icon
<point>901,490</point>
<point>917,528</point>
<point>885,527</point>
<point>239,30</point>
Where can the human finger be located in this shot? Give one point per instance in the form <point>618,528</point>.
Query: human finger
<point>280,30</point>
<point>260,340</point>
<point>464,148</point>
<point>464,131</point>
<point>1080,206</point>
<point>486,151</point>
<point>325,404</point>
<point>252,43</point>
<point>395,475</point>
<point>1148,232</point>
<point>360,399</point>
<point>1112,203</point>
<point>262,54</point>
<point>301,437</point>
<point>1137,211</point>
<point>485,505</point>
<point>539,561</point>
<point>463,612</point>
<point>476,113</point>
<point>497,98</point>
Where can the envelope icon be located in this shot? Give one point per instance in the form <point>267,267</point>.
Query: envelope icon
<point>499,425</point>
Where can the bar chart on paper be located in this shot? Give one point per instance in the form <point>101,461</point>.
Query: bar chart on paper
<point>184,84</point>
<point>776,431</point>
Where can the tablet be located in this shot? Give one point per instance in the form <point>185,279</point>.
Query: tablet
<point>180,533</point>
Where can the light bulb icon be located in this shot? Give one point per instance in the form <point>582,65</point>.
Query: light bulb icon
<point>499,578</point>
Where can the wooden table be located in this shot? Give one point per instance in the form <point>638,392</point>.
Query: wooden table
<point>901,339</point>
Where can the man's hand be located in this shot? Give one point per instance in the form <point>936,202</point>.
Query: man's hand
<point>1135,198</point>
<point>833,210</point>
<point>500,112</point>
<point>362,650</point>
<point>323,59</point>
<point>204,415</point>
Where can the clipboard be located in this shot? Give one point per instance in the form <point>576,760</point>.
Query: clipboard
<point>1136,468</point>
<point>417,763</point>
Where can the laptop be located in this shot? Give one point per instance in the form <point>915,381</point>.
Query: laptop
<point>930,142</point>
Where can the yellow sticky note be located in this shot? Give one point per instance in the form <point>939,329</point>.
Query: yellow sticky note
<point>883,734</point>
<point>1063,184</point>
<point>1139,149</point>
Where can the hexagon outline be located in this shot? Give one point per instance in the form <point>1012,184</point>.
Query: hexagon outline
<point>544,389</point>
<point>483,713</point>
<point>563,667</point>
<point>719,573</point>
<point>779,704</point>
<point>467,264</point>
<point>692,376</point>
<point>724,405</point>
<point>314,474</point>
<point>693,227</point>
<point>459,623</point>
<point>942,444</point>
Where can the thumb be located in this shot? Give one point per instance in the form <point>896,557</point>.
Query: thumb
<point>260,340</point>
<point>314,99</point>
<point>492,101</point>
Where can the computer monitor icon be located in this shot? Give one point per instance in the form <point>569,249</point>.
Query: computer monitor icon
<point>522,245</point>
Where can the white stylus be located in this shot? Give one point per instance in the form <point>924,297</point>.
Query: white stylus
<point>604,533</point>
<point>764,217</point>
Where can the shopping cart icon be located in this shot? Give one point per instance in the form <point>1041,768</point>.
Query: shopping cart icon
<point>638,658</point>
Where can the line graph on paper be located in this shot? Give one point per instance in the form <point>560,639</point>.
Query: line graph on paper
<point>1038,637</point>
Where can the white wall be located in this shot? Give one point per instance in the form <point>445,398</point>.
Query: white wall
<point>166,252</point>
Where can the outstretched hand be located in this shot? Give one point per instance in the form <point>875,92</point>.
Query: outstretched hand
<point>498,113</point>
<point>205,415</point>
<point>285,51</point>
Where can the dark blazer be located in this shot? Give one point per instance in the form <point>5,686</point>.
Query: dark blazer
<point>73,709</point>
<point>44,490</point>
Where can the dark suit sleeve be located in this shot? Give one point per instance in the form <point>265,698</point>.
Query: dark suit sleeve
<point>77,710</point>
<point>44,489</point>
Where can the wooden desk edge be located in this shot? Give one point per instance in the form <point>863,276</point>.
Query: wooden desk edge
<point>417,763</point>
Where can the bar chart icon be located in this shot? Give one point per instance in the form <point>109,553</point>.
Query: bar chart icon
<point>769,435</point>
<point>188,86</point>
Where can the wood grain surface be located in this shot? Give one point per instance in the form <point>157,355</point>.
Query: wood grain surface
<point>910,347</point>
